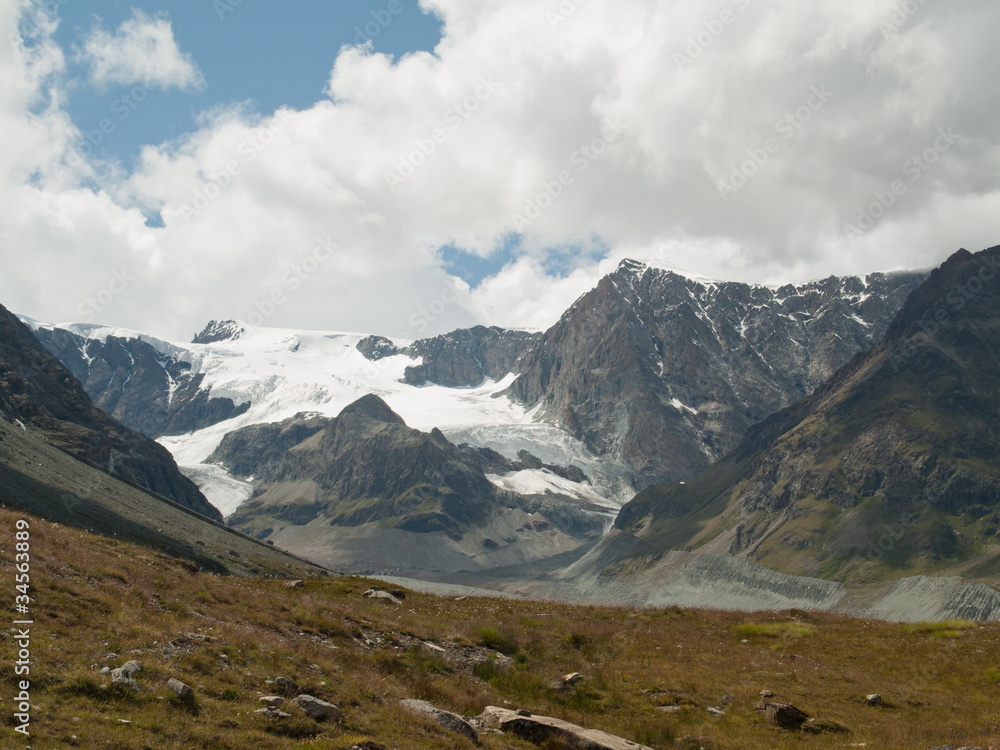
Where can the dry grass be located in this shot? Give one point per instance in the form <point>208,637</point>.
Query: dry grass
<point>101,602</point>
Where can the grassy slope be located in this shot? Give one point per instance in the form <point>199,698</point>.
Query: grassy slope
<point>42,479</point>
<point>96,596</point>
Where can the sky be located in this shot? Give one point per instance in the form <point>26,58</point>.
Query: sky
<point>406,168</point>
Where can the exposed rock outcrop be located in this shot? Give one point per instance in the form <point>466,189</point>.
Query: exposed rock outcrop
<point>540,729</point>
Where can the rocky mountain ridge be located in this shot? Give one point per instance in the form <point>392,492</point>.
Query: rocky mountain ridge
<point>40,393</point>
<point>667,373</point>
<point>892,466</point>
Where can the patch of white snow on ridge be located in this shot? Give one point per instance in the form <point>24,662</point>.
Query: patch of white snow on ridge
<point>676,403</point>
<point>543,482</point>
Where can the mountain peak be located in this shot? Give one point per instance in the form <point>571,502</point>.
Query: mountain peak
<point>219,330</point>
<point>635,266</point>
<point>374,408</point>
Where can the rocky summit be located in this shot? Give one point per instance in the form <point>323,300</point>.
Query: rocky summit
<point>362,491</point>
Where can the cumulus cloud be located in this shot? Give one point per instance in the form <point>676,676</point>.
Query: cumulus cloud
<point>142,49</point>
<point>756,142</point>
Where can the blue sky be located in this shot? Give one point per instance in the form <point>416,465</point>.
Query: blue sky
<point>265,53</point>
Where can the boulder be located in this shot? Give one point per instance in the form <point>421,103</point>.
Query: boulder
<point>179,689</point>
<point>286,686</point>
<point>123,676</point>
<point>272,700</point>
<point>318,709</point>
<point>446,719</point>
<point>874,699</point>
<point>297,584</point>
<point>539,729</point>
<point>783,715</point>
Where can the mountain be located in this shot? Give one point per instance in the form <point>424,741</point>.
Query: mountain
<point>363,491</point>
<point>649,376</point>
<point>891,468</point>
<point>666,374</point>
<point>141,381</point>
<point>39,392</point>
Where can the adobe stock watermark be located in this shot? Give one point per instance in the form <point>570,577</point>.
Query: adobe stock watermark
<point>223,7</point>
<point>899,16</point>
<point>954,301</point>
<point>713,29</point>
<point>217,182</point>
<point>786,127</point>
<point>292,280</point>
<point>419,321</point>
<point>379,23</point>
<point>914,168</point>
<point>454,118</point>
<point>551,190</point>
<point>94,305</point>
<point>562,12</point>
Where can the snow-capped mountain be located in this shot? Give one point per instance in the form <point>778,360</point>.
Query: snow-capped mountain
<point>648,377</point>
<point>251,375</point>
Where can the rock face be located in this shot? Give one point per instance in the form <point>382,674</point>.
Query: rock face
<point>540,729</point>
<point>891,468</point>
<point>145,387</point>
<point>219,330</point>
<point>467,357</point>
<point>365,469</point>
<point>450,721</point>
<point>667,374</point>
<point>38,390</point>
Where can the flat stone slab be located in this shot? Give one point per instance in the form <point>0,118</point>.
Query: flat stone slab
<point>447,719</point>
<point>538,729</point>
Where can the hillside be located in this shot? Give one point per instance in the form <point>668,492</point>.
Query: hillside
<point>36,389</point>
<point>892,468</point>
<point>364,492</point>
<point>649,676</point>
<point>40,479</point>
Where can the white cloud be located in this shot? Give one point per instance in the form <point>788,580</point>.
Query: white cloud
<point>141,50</point>
<point>479,135</point>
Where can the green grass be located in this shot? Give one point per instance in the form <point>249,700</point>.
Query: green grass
<point>947,629</point>
<point>498,641</point>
